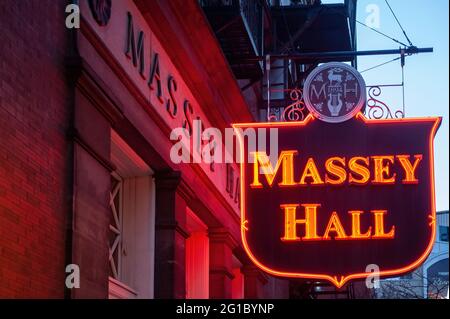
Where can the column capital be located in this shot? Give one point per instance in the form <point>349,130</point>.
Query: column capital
<point>253,271</point>
<point>221,246</point>
<point>173,226</point>
<point>222,235</point>
<point>167,179</point>
<point>254,281</point>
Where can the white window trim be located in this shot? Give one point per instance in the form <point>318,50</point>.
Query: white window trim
<point>118,290</point>
<point>134,277</point>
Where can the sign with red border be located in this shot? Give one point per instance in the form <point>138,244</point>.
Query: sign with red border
<point>339,197</point>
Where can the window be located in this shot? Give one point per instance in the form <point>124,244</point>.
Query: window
<point>443,233</point>
<point>115,226</point>
<point>132,224</point>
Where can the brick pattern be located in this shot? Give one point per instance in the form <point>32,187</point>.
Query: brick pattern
<point>34,110</point>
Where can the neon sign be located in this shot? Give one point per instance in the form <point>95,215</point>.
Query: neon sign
<point>340,196</point>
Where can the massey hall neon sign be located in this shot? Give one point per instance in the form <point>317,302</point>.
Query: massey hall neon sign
<point>340,196</point>
<point>338,171</point>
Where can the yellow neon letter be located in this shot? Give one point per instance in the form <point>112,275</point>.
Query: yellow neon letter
<point>359,169</point>
<point>286,160</point>
<point>335,225</point>
<point>379,225</point>
<point>291,222</point>
<point>311,171</point>
<point>335,170</point>
<point>381,171</point>
<point>409,168</point>
<point>356,225</point>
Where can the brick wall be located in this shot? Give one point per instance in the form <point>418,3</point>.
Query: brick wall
<point>34,164</point>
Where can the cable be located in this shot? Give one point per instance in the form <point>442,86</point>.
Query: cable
<point>373,29</point>
<point>378,65</point>
<point>383,34</point>
<point>399,24</point>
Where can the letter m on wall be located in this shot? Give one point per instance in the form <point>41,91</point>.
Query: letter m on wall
<point>135,51</point>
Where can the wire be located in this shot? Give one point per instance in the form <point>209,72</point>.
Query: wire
<point>373,29</point>
<point>398,22</point>
<point>383,34</point>
<point>378,65</point>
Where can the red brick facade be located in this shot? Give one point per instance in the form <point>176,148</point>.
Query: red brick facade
<point>35,104</point>
<point>61,95</point>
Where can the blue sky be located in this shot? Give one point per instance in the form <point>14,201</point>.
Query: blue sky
<point>426,75</point>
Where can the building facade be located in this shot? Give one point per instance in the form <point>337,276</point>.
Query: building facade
<point>87,118</point>
<point>87,177</point>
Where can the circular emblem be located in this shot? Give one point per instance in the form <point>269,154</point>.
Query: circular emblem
<point>334,92</point>
<point>101,11</point>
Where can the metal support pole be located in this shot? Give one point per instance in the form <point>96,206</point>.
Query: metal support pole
<point>268,85</point>
<point>337,54</point>
<point>402,63</point>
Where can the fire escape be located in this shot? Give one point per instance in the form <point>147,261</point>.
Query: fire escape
<point>272,45</point>
<point>311,29</point>
<point>256,35</point>
<point>238,25</point>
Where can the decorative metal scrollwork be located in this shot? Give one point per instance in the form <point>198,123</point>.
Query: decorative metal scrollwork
<point>295,111</point>
<point>376,109</point>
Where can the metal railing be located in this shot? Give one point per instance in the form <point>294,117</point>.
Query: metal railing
<point>377,106</point>
<point>252,14</point>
